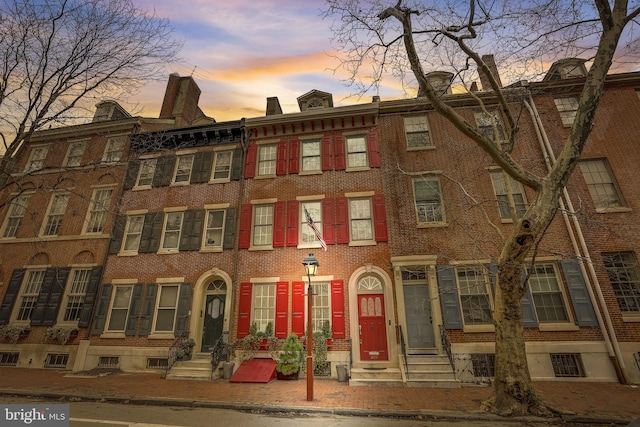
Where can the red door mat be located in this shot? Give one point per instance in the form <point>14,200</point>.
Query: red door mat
<point>255,371</point>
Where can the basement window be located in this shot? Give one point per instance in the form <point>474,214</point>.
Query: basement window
<point>483,365</point>
<point>9,359</point>
<point>157,363</point>
<point>56,360</point>
<point>567,365</point>
<point>108,362</point>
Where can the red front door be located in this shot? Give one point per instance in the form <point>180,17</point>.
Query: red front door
<point>372,325</point>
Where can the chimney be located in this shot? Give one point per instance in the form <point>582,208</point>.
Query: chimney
<point>493,69</point>
<point>273,106</point>
<point>181,100</point>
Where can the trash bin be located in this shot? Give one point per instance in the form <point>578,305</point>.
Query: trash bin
<point>342,373</point>
<point>227,370</point>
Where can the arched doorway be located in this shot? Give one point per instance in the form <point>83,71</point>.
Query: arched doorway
<point>210,309</point>
<point>213,315</point>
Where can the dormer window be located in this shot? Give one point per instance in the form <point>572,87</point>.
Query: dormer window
<point>315,103</point>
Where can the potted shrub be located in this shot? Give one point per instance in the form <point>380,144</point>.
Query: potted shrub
<point>326,331</point>
<point>289,359</point>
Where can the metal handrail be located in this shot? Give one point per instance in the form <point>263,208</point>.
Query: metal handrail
<point>173,352</point>
<point>219,353</point>
<point>403,347</point>
<point>446,345</point>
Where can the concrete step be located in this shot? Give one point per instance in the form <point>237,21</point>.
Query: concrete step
<point>194,369</point>
<point>382,374</point>
<point>433,383</point>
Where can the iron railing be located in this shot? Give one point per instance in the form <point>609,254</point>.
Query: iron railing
<point>403,347</point>
<point>219,353</point>
<point>446,345</point>
<point>173,352</point>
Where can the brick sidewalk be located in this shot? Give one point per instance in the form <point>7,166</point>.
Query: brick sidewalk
<point>602,401</point>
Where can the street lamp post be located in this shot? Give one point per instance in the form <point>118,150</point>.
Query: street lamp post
<point>311,266</point>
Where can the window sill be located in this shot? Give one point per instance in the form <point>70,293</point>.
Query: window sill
<point>478,328</point>
<point>179,184</point>
<point>425,148</point>
<point>631,317</point>
<point>128,253</point>
<point>211,250</point>
<point>161,336</point>
<point>613,210</point>
<point>318,172</point>
<point>141,188</point>
<point>359,169</point>
<point>432,224</point>
<point>219,181</point>
<point>548,327</point>
<point>363,243</point>
<point>113,335</point>
<point>264,176</point>
<point>261,248</point>
<point>168,251</point>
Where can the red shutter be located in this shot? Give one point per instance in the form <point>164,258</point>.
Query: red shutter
<point>342,220</point>
<point>379,218</point>
<point>297,308</point>
<point>250,165</point>
<point>293,219</point>
<point>294,156</point>
<point>282,158</point>
<point>282,309</point>
<point>375,160</point>
<point>340,153</point>
<point>244,309</point>
<point>328,224</point>
<point>244,240</point>
<point>337,309</point>
<point>279,223</point>
<point>327,153</point>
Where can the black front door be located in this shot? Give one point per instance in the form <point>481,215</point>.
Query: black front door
<point>213,321</point>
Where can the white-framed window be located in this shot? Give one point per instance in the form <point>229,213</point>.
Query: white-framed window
<point>310,155</point>
<point>55,214</point>
<point>475,299</point>
<point>361,219</point>
<point>214,228</point>
<point>98,210</point>
<point>119,308</point>
<point>601,183</point>
<point>132,233</point>
<point>548,297</point>
<point>321,305</point>
<point>267,156</point>
<point>222,165</point>
<point>264,305</point>
<point>145,172</point>
<point>307,237</point>
<point>490,125</point>
<point>36,158</point>
<point>74,154</point>
<point>567,107</point>
<point>499,180</point>
<point>166,308</point>
<point>184,165</point>
<point>29,291</point>
<point>428,197</point>
<point>114,149</point>
<point>75,294</point>
<point>357,156</point>
<point>14,216</point>
<point>262,225</point>
<point>171,232</point>
<point>624,275</point>
<point>417,131</point>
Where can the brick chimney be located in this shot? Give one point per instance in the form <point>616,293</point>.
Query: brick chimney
<point>273,106</point>
<point>181,100</point>
<point>484,79</point>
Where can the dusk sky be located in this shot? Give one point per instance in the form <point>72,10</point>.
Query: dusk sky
<point>242,52</point>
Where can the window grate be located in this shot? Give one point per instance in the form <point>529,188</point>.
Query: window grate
<point>483,365</point>
<point>108,362</point>
<point>56,360</point>
<point>157,363</point>
<point>567,365</point>
<point>9,359</point>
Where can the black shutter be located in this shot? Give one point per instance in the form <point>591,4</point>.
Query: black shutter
<point>55,296</point>
<point>132,175</point>
<point>117,233</point>
<point>90,297</point>
<point>529,316</point>
<point>585,314</point>
<point>151,232</point>
<point>202,163</point>
<point>183,309</point>
<point>10,295</point>
<point>134,310</point>
<point>191,234</point>
<point>37,315</point>
<point>164,171</point>
<point>229,229</point>
<point>101,313</point>
<point>448,290</point>
<point>147,310</point>
<point>236,164</point>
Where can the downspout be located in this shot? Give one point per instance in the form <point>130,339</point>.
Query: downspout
<point>615,355</point>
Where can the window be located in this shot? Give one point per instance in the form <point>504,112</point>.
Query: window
<point>132,233</point>
<point>113,151</point>
<point>14,217</point>
<point>29,295</point>
<point>428,199</point>
<point>417,131</point>
<point>490,125</point>
<point>36,159</point>
<point>146,172</point>
<point>183,169</point>
<point>311,156</point>
<point>307,235</point>
<point>321,307</point>
<point>624,275</point>
<point>567,107</point>
<point>474,295</point>
<point>98,210</point>
<point>264,303</point>
<point>120,301</point>
<point>56,360</point>
<point>263,225</point>
<point>172,227</point>
<point>214,231</point>
<point>502,194</point>
<point>267,160</point>
<point>74,298</point>
<point>222,165</point>
<point>602,186</point>
<point>74,154</point>
<point>166,309</point>
<point>357,152</point>
<point>361,219</point>
<point>567,365</point>
<point>483,364</point>
<point>53,219</point>
<point>547,296</point>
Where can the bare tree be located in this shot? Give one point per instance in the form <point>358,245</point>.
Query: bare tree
<point>381,38</point>
<point>58,57</point>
